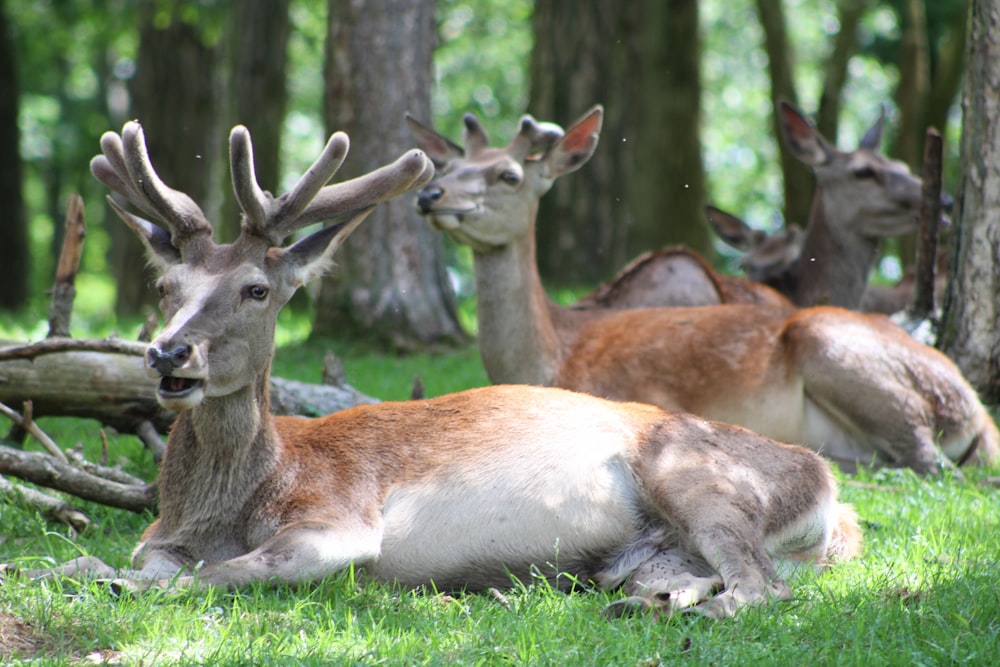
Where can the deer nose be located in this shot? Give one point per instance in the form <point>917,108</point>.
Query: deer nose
<point>428,196</point>
<point>165,362</point>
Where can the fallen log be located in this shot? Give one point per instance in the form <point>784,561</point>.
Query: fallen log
<point>106,380</point>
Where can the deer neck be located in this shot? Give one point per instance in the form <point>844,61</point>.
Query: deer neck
<point>217,455</point>
<point>834,265</point>
<point>518,341</point>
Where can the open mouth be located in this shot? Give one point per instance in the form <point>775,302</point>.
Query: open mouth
<point>175,387</point>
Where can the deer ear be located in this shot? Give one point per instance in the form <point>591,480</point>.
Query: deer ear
<point>160,250</point>
<point>729,228</point>
<point>805,142</point>
<point>438,148</point>
<point>313,256</point>
<point>576,146</point>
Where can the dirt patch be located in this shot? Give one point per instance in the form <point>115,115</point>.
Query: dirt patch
<point>17,637</point>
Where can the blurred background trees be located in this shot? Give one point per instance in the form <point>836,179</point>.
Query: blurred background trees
<point>689,90</point>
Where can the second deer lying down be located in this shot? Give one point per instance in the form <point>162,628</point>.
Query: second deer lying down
<point>465,491</point>
<point>861,198</point>
<point>854,387</point>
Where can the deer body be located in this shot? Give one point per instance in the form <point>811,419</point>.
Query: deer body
<point>459,492</point>
<point>852,386</point>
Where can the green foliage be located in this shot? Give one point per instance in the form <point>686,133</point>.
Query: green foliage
<point>923,593</point>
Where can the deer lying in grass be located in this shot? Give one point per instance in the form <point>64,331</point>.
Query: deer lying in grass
<point>767,255</point>
<point>464,491</point>
<point>861,198</point>
<point>854,387</point>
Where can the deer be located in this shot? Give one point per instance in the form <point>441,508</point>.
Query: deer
<point>861,198</point>
<point>767,255</point>
<point>465,491</point>
<point>852,386</point>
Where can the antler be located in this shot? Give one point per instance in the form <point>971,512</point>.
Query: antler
<point>310,199</point>
<point>125,168</point>
<point>532,137</point>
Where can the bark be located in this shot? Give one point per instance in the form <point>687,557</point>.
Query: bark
<point>797,177</point>
<point>971,316</point>
<point>644,187</point>
<point>258,42</point>
<point>927,235</point>
<point>391,286</point>
<point>175,98</point>
<point>15,264</point>
<point>667,192</point>
<point>845,45</point>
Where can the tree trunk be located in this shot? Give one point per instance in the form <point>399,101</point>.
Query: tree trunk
<point>14,254</point>
<point>258,40</point>
<point>781,66</point>
<point>845,45</point>
<point>390,286</point>
<point>644,187</point>
<point>914,85</point>
<point>971,316</point>
<point>667,192</point>
<point>947,74</point>
<point>175,98</point>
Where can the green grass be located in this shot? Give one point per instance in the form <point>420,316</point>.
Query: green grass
<point>923,593</point>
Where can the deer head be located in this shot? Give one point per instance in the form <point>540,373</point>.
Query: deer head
<point>221,301</point>
<point>861,186</point>
<point>486,197</point>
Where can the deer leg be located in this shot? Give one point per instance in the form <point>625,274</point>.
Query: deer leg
<point>86,567</point>
<point>299,552</point>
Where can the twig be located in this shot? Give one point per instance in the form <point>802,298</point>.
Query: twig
<point>930,213</point>
<point>54,345</point>
<point>64,290</point>
<point>45,471</point>
<point>104,472</point>
<point>31,427</point>
<point>149,436</point>
<point>53,507</point>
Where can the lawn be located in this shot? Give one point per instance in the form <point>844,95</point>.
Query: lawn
<point>923,593</point>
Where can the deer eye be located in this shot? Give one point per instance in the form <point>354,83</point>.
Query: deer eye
<point>255,292</point>
<point>510,177</point>
<point>864,172</point>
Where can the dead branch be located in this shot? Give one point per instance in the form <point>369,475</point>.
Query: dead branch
<point>64,290</point>
<point>64,344</point>
<point>45,471</point>
<point>49,506</point>
<point>927,236</point>
<point>37,433</point>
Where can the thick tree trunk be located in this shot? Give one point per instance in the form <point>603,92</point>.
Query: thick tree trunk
<point>174,96</point>
<point>256,91</point>
<point>971,317</point>
<point>781,66</point>
<point>644,187</point>
<point>14,255</point>
<point>390,286</point>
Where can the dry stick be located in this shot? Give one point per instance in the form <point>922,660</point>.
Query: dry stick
<point>31,427</point>
<point>54,345</point>
<point>46,471</point>
<point>64,291</point>
<point>930,214</point>
<point>53,507</point>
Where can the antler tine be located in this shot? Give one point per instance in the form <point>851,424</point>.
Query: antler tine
<point>254,202</point>
<point>410,171</point>
<point>533,135</point>
<point>147,191</point>
<point>474,137</point>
